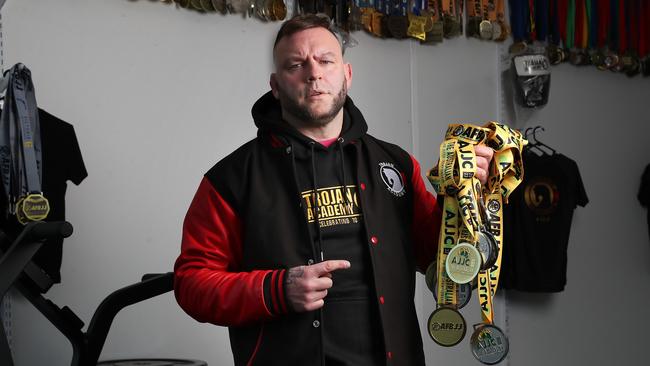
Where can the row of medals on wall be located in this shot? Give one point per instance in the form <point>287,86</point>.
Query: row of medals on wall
<point>434,21</point>
<point>601,42</point>
<point>431,22</point>
<point>604,59</point>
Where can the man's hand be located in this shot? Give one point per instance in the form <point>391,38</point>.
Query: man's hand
<point>483,158</point>
<point>306,286</point>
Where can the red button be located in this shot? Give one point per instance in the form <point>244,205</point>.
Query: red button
<point>389,355</point>
<point>374,240</point>
<point>363,186</point>
<point>381,299</point>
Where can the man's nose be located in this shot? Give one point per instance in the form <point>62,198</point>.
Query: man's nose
<point>314,71</point>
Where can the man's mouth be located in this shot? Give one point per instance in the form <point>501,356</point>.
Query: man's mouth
<point>315,93</point>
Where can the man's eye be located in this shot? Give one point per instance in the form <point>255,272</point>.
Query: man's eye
<point>294,66</point>
<point>326,61</point>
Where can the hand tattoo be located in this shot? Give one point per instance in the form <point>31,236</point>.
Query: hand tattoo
<point>295,273</point>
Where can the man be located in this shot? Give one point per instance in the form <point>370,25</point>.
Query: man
<point>305,240</point>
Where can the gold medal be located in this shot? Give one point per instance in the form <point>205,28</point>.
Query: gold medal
<point>485,29</point>
<point>416,27</point>
<point>35,207</point>
<point>268,10</point>
<point>279,9</point>
<point>463,263</point>
<point>20,215</point>
<point>428,25</point>
<point>446,327</point>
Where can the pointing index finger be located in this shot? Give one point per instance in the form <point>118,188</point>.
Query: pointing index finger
<point>329,266</point>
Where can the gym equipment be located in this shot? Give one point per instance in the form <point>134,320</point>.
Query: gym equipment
<point>16,270</point>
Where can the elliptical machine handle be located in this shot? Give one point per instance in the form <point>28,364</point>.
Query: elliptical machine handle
<point>49,230</point>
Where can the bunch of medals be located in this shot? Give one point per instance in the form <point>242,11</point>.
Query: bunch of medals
<point>486,20</point>
<point>471,234</point>
<point>429,21</point>
<point>268,10</point>
<point>608,34</point>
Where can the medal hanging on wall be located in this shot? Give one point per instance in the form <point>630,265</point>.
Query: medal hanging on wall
<point>554,50</point>
<point>20,153</point>
<point>471,243</point>
<point>397,21</point>
<point>434,28</point>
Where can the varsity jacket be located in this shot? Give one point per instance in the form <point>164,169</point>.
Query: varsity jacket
<point>246,227</point>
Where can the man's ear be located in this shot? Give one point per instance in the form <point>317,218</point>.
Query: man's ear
<point>274,86</point>
<point>347,70</point>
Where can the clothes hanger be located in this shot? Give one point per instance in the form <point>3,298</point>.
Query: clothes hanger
<point>532,147</point>
<point>538,144</point>
<point>4,82</point>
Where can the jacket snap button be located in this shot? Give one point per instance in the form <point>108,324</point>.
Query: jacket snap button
<point>389,355</point>
<point>310,262</point>
<point>381,299</point>
<point>363,186</point>
<point>316,324</point>
<point>374,240</point>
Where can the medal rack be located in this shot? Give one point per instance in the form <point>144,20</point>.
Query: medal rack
<point>611,35</point>
<point>428,21</point>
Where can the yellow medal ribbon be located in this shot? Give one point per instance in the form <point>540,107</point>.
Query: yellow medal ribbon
<point>454,178</point>
<point>446,288</point>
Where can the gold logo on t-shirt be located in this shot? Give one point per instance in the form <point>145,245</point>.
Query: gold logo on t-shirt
<point>336,205</point>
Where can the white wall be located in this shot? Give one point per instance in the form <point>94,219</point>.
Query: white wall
<point>601,318</point>
<point>158,94</point>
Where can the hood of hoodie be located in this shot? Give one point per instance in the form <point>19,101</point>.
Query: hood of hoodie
<point>267,114</point>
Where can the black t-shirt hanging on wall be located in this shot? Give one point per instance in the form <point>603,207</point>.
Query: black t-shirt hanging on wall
<point>62,161</point>
<point>537,223</point>
<point>644,192</point>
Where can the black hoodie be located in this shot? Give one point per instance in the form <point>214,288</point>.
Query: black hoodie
<point>349,318</point>
<point>250,221</point>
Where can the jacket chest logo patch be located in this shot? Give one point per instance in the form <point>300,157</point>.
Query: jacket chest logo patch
<point>392,178</point>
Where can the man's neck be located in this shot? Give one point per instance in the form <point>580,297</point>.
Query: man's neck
<point>319,133</point>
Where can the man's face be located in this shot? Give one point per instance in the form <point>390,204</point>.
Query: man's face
<point>311,79</point>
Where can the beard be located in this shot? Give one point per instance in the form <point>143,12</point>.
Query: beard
<point>304,114</point>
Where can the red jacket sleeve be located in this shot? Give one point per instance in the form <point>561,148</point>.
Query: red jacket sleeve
<point>426,220</point>
<point>207,281</point>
